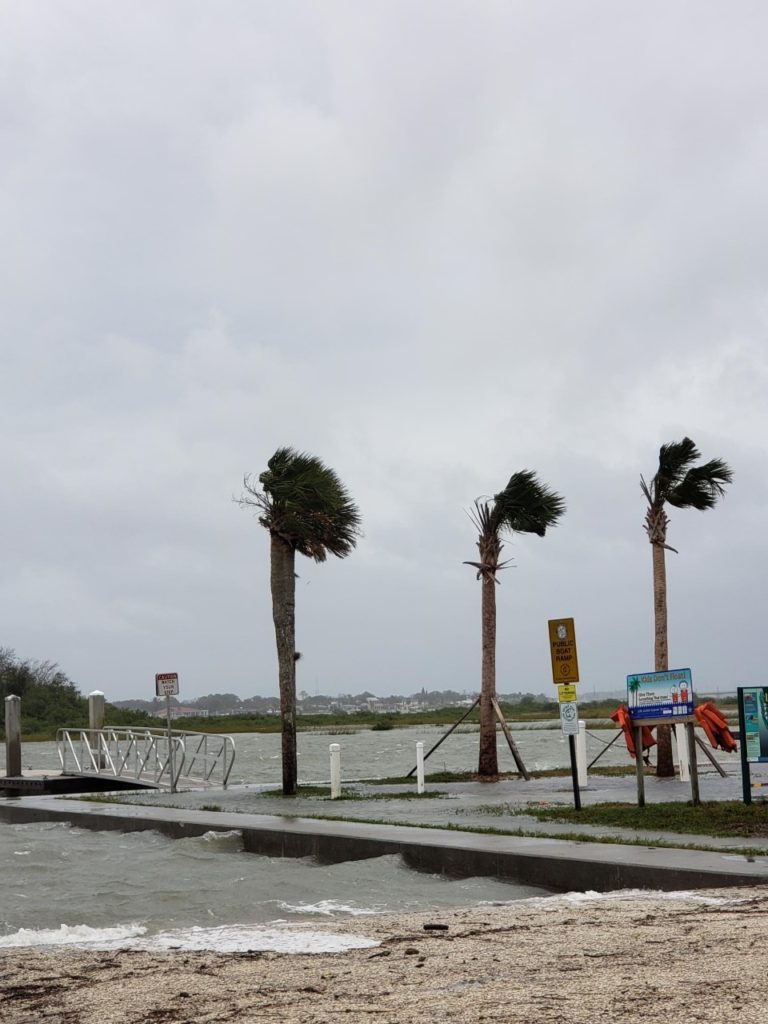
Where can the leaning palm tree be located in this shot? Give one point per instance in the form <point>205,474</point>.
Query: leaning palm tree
<point>681,483</point>
<point>524,506</point>
<point>306,508</point>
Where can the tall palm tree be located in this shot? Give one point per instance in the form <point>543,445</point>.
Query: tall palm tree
<point>681,483</point>
<point>306,508</point>
<point>524,506</point>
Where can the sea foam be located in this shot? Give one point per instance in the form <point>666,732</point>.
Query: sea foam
<point>223,939</point>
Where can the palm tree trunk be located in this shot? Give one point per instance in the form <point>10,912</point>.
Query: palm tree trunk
<point>283,585</point>
<point>488,762</point>
<point>665,767</point>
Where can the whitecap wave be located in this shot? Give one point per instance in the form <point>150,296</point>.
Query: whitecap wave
<point>74,935</point>
<point>592,896</point>
<point>327,908</point>
<point>222,939</point>
<point>231,838</point>
<point>244,938</point>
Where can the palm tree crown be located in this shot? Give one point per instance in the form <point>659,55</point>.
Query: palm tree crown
<point>305,505</point>
<point>680,483</point>
<point>524,506</point>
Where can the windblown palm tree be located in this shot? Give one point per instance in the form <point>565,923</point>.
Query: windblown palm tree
<point>306,508</point>
<point>524,506</point>
<point>681,483</point>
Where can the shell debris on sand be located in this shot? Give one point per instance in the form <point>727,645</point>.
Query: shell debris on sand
<point>676,958</point>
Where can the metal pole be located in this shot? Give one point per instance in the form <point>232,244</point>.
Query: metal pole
<point>746,778</point>
<point>419,767</point>
<point>171,765</point>
<point>639,774</point>
<point>574,772</point>
<point>12,736</point>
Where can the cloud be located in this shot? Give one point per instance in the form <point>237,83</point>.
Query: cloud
<point>431,243</point>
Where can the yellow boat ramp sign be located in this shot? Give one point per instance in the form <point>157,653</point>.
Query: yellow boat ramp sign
<point>562,646</point>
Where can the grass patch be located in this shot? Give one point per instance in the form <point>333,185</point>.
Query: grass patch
<point>324,793</point>
<point>436,778</point>
<point>728,818</point>
<point>98,798</point>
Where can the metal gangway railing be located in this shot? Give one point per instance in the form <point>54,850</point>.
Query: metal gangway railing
<point>150,757</point>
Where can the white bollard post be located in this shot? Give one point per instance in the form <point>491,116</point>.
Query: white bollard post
<point>12,736</point>
<point>419,767</point>
<point>683,755</point>
<point>335,750</point>
<point>581,755</point>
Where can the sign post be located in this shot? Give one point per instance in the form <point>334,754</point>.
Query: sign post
<point>753,726</point>
<point>662,698</point>
<point>167,685</point>
<point>565,672</point>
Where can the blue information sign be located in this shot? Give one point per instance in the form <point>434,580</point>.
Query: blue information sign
<point>754,707</point>
<point>660,694</point>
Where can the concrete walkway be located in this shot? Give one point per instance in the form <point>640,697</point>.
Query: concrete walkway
<point>426,830</point>
<point>465,805</point>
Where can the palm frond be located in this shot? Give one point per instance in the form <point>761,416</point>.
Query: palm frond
<point>526,505</point>
<point>675,459</point>
<point>483,516</point>
<point>304,503</point>
<point>702,486</point>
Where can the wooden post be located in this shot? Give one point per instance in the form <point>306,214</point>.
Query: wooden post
<point>12,736</point>
<point>694,767</point>
<point>607,746</point>
<point>723,773</point>
<point>96,724</point>
<point>638,734</point>
<point>512,745</point>
<point>96,710</point>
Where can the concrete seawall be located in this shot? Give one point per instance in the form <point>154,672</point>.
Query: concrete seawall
<point>554,864</point>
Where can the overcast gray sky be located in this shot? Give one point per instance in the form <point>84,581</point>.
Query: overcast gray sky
<point>432,242</point>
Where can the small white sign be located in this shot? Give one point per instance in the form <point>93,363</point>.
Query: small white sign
<point>167,684</point>
<point>569,718</point>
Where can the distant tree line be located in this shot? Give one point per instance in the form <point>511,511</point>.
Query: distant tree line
<point>49,699</point>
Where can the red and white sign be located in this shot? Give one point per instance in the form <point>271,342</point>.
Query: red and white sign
<point>167,684</point>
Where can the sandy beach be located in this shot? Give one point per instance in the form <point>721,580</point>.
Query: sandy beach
<point>698,956</point>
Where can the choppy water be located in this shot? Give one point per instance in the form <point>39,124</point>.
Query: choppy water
<point>69,886</point>
<point>63,885</point>
<point>372,754</point>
